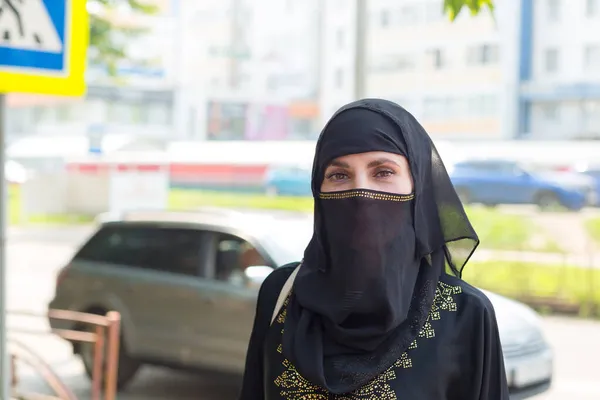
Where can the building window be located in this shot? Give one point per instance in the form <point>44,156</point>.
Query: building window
<point>434,12</point>
<point>19,120</point>
<point>592,8</point>
<point>436,58</point>
<point>339,78</point>
<point>553,10</point>
<point>592,57</point>
<point>551,60</point>
<point>489,105</point>
<point>157,114</point>
<point>481,106</point>
<point>226,120</point>
<point>478,106</point>
<point>591,116</point>
<point>384,18</point>
<point>491,54</point>
<point>483,55</point>
<point>407,15</point>
<point>394,63</point>
<point>63,113</point>
<point>435,108</point>
<point>549,111</point>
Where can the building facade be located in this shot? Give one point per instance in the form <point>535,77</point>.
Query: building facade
<point>560,69</point>
<point>455,77</point>
<point>138,101</point>
<point>278,69</point>
<point>337,56</point>
<point>251,73</point>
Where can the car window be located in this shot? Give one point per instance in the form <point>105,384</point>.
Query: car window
<point>595,173</point>
<point>171,250</point>
<point>233,256</point>
<point>479,166</point>
<point>490,167</point>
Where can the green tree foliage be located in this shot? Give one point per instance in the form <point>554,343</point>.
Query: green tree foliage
<point>454,7</point>
<point>107,40</point>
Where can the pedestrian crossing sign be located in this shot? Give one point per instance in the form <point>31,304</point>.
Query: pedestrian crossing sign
<point>43,46</point>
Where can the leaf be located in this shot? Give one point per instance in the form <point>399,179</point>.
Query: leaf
<point>105,48</point>
<point>454,7</point>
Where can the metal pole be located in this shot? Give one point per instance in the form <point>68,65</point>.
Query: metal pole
<point>360,59</point>
<point>236,45</point>
<point>97,372</point>
<point>5,372</point>
<point>111,375</point>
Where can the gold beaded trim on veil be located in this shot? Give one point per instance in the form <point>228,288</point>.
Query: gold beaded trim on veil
<point>367,194</point>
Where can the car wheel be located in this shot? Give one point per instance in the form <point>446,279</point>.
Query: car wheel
<point>547,201</point>
<point>128,367</point>
<point>463,195</point>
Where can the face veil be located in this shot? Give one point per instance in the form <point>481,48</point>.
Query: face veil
<point>370,271</point>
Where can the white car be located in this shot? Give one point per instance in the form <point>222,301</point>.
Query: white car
<point>14,172</point>
<point>528,358</point>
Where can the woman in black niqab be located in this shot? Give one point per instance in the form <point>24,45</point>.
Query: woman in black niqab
<point>377,309</point>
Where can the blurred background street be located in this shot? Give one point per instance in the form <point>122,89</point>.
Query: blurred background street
<point>39,252</point>
<point>181,177</point>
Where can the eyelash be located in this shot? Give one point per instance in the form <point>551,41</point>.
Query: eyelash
<point>387,173</point>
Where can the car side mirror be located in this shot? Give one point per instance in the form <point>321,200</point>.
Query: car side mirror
<point>256,274</point>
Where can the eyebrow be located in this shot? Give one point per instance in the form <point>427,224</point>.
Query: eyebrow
<point>375,163</point>
<point>381,161</point>
<point>337,163</point>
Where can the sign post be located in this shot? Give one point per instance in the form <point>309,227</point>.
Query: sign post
<point>43,46</point>
<point>5,372</point>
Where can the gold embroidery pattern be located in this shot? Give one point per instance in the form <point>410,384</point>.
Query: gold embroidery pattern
<point>294,387</point>
<point>283,311</point>
<point>367,194</point>
<point>379,388</point>
<point>443,301</point>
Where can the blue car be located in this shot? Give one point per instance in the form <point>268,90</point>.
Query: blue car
<point>288,181</point>
<point>492,182</point>
<point>592,171</point>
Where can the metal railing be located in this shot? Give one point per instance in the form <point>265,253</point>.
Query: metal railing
<point>105,338</point>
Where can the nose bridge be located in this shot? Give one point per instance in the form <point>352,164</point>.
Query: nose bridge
<point>362,180</point>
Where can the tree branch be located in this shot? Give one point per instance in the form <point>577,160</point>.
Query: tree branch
<point>105,47</point>
<point>454,7</point>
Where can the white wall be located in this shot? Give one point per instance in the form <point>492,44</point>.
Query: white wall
<point>570,34</point>
<point>284,42</point>
<point>457,87</point>
<point>565,119</point>
<point>338,40</point>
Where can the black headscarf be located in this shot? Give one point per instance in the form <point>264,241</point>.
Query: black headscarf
<point>370,271</point>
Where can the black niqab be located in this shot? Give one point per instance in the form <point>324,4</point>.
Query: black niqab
<point>370,271</point>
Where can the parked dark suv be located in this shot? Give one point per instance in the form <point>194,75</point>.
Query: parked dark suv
<point>184,283</point>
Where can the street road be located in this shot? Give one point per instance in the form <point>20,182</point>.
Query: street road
<point>34,258</point>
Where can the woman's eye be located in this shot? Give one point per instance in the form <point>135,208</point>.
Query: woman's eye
<point>338,176</point>
<point>384,174</point>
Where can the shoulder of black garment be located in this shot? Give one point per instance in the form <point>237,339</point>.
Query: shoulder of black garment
<point>471,296</point>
